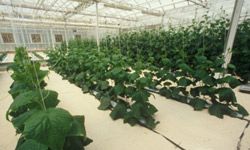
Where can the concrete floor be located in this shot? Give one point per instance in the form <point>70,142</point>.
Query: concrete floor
<point>189,129</point>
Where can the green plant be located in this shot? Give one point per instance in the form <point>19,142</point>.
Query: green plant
<point>110,79</point>
<point>34,114</point>
<point>188,60</point>
<point>2,56</point>
<point>241,51</point>
<point>204,85</point>
<point>206,35</point>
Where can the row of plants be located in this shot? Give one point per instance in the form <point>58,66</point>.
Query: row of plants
<point>109,76</point>
<point>207,35</point>
<point>116,79</point>
<point>204,85</point>
<point>34,112</point>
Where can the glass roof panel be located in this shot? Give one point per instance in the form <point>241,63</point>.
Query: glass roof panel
<point>129,12</point>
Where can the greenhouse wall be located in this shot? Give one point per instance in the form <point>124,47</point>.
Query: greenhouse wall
<point>48,37</point>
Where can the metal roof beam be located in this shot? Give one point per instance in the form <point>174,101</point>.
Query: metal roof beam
<point>198,3</point>
<point>63,23</point>
<point>82,5</point>
<point>63,11</point>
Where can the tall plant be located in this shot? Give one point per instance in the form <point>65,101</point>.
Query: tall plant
<point>33,111</point>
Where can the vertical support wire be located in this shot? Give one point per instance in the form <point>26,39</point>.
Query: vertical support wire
<point>97,27</point>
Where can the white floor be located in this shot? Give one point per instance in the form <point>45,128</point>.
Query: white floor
<point>190,129</point>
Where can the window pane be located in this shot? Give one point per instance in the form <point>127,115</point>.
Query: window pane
<point>58,38</point>
<point>8,38</point>
<point>77,36</point>
<point>36,38</point>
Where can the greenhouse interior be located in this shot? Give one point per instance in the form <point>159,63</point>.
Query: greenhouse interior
<point>125,75</point>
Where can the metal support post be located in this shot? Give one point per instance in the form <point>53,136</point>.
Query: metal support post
<point>52,39</point>
<point>97,27</point>
<point>232,31</point>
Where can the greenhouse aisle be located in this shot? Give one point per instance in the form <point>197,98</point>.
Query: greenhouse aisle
<point>190,129</point>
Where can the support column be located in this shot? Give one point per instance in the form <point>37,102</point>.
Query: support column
<point>52,39</point>
<point>97,27</point>
<point>232,31</point>
<point>66,35</point>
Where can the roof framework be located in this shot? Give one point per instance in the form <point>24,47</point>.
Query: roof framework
<point>112,13</point>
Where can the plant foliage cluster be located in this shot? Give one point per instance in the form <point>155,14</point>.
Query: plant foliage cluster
<point>2,56</point>
<point>123,84</point>
<point>109,76</point>
<point>34,114</point>
<point>206,36</point>
<point>184,64</point>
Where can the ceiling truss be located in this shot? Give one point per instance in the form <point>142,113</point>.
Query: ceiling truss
<point>111,12</point>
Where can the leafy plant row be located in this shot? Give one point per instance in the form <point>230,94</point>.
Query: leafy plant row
<point>107,75</point>
<point>204,84</point>
<point>33,112</point>
<point>206,36</point>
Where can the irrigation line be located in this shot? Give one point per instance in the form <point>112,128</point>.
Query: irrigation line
<point>143,125</point>
<point>168,139</point>
<point>157,92</point>
<point>241,136</point>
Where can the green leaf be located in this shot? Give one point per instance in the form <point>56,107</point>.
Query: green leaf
<point>151,109</point>
<point>119,111</point>
<point>226,94</point>
<point>116,71</point>
<point>184,82</point>
<point>171,77</point>
<point>34,98</point>
<point>140,95</point>
<point>185,67</point>
<point>18,87</point>
<point>242,110</point>
<point>198,104</point>
<point>233,82</point>
<point>195,92</point>
<point>85,88</point>
<point>208,80</point>
<point>19,121</point>
<point>231,67</point>
<point>129,118</point>
<point>104,85</point>
<point>76,143</point>
<point>105,103</point>
<point>216,110</point>
<point>165,92</point>
<point>137,110</point>
<point>130,90</point>
<point>77,128</point>
<point>166,62</point>
<point>133,76</point>
<point>31,145</point>
<point>219,110</point>
<point>200,74</point>
<point>49,127</point>
<point>143,82</point>
<point>201,59</point>
<point>119,89</point>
